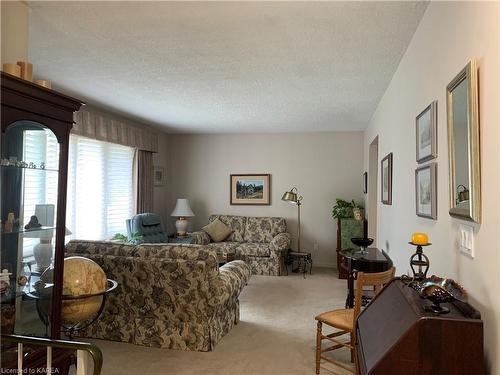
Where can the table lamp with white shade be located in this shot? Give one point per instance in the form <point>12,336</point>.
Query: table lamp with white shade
<point>43,251</point>
<point>182,210</point>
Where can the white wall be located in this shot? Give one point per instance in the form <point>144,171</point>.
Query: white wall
<point>322,166</point>
<point>14,29</point>
<point>447,37</point>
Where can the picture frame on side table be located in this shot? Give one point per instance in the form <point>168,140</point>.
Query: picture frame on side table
<point>426,133</point>
<point>386,179</point>
<point>250,189</point>
<point>158,176</point>
<point>365,182</point>
<point>426,191</point>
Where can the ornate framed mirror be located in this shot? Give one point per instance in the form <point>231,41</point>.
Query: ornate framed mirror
<point>462,99</point>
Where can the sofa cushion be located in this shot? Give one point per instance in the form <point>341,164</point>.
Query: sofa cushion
<point>82,247</point>
<point>223,247</point>
<point>217,230</point>
<point>263,229</point>
<point>236,223</point>
<point>253,249</point>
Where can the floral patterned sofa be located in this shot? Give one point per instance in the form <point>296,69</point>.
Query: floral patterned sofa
<point>168,296</point>
<point>260,241</point>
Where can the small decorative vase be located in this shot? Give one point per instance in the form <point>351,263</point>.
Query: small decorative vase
<point>26,70</point>
<point>44,83</point>
<point>12,69</point>
<point>358,213</point>
<point>43,254</point>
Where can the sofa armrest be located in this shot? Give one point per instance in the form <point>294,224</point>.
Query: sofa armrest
<point>200,238</point>
<point>281,242</point>
<point>233,277</point>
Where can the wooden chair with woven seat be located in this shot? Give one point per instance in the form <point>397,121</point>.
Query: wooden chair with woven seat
<point>344,320</point>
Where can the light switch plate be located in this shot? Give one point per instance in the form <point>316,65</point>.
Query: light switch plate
<point>466,240</point>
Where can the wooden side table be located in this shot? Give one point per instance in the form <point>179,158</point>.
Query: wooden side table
<point>303,260</point>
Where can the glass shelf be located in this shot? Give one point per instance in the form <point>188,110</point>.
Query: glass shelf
<point>26,291</point>
<point>30,233</point>
<point>30,169</point>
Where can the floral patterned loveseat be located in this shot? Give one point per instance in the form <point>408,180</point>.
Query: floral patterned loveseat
<point>260,241</point>
<point>168,296</point>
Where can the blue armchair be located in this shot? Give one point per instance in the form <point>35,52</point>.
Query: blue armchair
<point>148,225</point>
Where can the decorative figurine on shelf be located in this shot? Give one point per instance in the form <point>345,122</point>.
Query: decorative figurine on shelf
<point>22,280</point>
<point>4,281</point>
<point>42,165</point>
<point>419,262</point>
<point>9,224</point>
<point>33,224</point>
<point>32,165</point>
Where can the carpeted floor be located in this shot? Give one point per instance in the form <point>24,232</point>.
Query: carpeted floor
<point>276,334</point>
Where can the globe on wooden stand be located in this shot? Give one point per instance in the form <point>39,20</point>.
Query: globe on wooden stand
<point>84,289</point>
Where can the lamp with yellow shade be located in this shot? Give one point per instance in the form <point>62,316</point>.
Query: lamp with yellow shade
<point>293,197</point>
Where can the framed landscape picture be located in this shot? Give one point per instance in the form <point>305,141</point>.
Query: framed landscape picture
<point>426,133</point>
<point>386,179</point>
<point>158,176</point>
<point>250,189</point>
<point>426,191</point>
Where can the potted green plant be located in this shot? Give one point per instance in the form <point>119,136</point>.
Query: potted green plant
<point>136,238</point>
<point>344,209</point>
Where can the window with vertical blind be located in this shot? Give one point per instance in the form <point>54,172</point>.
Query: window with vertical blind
<point>100,188</point>
<point>40,186</point>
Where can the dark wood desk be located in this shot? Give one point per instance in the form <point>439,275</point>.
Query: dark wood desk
<point>374,260</point>
<point>396,335</point>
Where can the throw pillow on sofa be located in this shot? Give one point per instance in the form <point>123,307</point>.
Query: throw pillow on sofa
<point>217,230</point>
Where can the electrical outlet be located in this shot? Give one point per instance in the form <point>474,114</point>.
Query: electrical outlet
<point>316,247</point>
<point>466,240</point>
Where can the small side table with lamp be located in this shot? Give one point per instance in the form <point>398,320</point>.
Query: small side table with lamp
<point>303,258</point>
<point>182,211</point>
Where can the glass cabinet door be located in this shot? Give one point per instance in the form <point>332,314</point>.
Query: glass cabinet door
<point>29,190</point>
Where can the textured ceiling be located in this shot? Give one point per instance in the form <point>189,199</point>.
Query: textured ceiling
<point>203,67</point>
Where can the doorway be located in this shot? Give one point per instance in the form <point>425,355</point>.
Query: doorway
<point>372,190</point>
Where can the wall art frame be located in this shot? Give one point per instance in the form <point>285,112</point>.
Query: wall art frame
<point>250,189</point>
<point>386,179</point>
<point>426,191</point>
<point>426,134</point>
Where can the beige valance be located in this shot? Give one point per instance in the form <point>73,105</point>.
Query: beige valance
<point>92,123</point>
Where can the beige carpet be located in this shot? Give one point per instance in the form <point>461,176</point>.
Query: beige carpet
<point>276,334</point>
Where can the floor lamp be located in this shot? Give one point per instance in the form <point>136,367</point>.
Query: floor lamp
<point>292,197</point>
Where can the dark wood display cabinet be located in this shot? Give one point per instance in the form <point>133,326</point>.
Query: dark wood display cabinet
<point>35,127</point>
<point>347,228</point>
